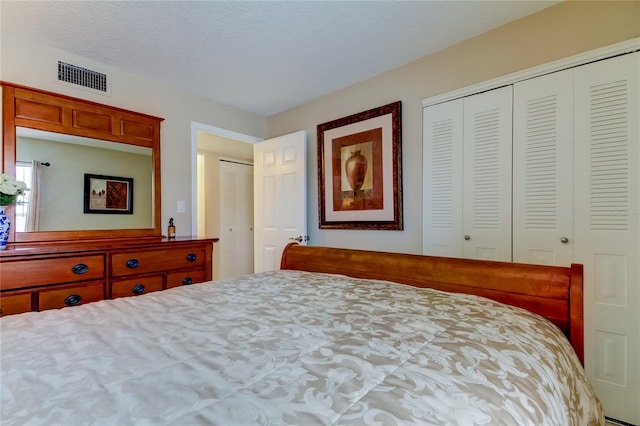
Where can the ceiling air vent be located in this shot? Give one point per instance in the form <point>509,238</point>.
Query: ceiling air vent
<point>80,76</point>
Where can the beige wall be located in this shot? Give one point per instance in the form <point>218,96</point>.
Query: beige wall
<point>554,33</point>
<point>64,209</point>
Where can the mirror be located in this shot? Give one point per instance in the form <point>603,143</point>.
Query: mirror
<point>93,151</point>
<point>59,189</point>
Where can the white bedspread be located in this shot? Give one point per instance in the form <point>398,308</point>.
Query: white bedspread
<point>290,347</point>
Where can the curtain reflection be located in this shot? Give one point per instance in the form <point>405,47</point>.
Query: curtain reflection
<point>33,207</point>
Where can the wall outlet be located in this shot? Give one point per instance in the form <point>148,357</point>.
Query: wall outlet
<point>181,208</point>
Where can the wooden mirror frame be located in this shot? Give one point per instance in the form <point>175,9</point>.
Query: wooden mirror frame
<point>38,109</point>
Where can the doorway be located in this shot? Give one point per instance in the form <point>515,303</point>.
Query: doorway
<point>210,145</point>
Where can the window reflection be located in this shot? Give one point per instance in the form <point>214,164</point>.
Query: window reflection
<point>24,171</point>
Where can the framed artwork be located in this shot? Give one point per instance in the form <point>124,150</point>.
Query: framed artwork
<point>359,170</point>
<point>108,194</point>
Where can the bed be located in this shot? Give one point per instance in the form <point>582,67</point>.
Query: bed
<point>337,336</point>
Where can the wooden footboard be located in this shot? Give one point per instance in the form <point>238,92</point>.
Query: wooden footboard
<point>550,291</point>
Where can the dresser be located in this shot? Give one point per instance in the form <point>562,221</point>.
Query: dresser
<point>39,277</point>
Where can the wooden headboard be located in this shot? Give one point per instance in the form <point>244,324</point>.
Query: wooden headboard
<point>551,291</point>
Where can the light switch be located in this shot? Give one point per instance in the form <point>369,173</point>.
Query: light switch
<point>180,206</point>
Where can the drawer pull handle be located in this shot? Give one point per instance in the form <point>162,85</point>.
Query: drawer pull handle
<point>138,289</point>
<point>187,281</point>
<point>80,269</point>
<point>132,263</point>
<point>191,257</point>
<point>73,300</point>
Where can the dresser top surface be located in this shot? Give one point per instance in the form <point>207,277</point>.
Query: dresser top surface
<point>18,250</point>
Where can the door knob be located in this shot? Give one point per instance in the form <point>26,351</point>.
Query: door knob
<point>467,237</point>
<point>298,238</point>
<point>564,240</point>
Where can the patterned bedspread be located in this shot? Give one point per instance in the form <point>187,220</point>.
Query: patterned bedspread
<point>293,348</point>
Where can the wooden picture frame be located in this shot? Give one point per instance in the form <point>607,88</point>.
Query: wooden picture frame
<point>108,194</point>
<point>360,170</point>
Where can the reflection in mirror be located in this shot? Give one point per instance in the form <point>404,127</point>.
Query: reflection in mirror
<point>56,202</point>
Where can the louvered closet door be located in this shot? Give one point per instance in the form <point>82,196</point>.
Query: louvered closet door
<point>442,179</point>
<point>486,212</point>
<point>543,170</point>
<point>607,228</point>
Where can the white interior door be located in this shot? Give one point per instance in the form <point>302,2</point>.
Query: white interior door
<point>543,170</point>
<point>236,219</point>
<point>486,215</point>
<point>442,179</point>
<point>607,227</point>
<point>280,187</point>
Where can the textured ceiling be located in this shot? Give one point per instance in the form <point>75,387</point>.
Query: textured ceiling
<point>260,56</point>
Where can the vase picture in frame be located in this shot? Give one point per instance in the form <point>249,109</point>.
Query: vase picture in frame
<point>359,170</point>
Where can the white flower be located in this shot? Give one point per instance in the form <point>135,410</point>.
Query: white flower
<point>10,188</point>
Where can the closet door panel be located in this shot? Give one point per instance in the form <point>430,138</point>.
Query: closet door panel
<point>245,254</point>
<point>442,179</point>
<point>486,216</point>
<point>229,215</point>
<point>543,170</point>
<point>236,219</point>
<point>607,227</point>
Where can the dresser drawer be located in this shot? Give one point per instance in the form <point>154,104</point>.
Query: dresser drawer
<point>15,303</point>
<point>33,272</point>
<point>136,286</point>
<point>138,262</point>
<point>192,276</point>
<point>63,296</point>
